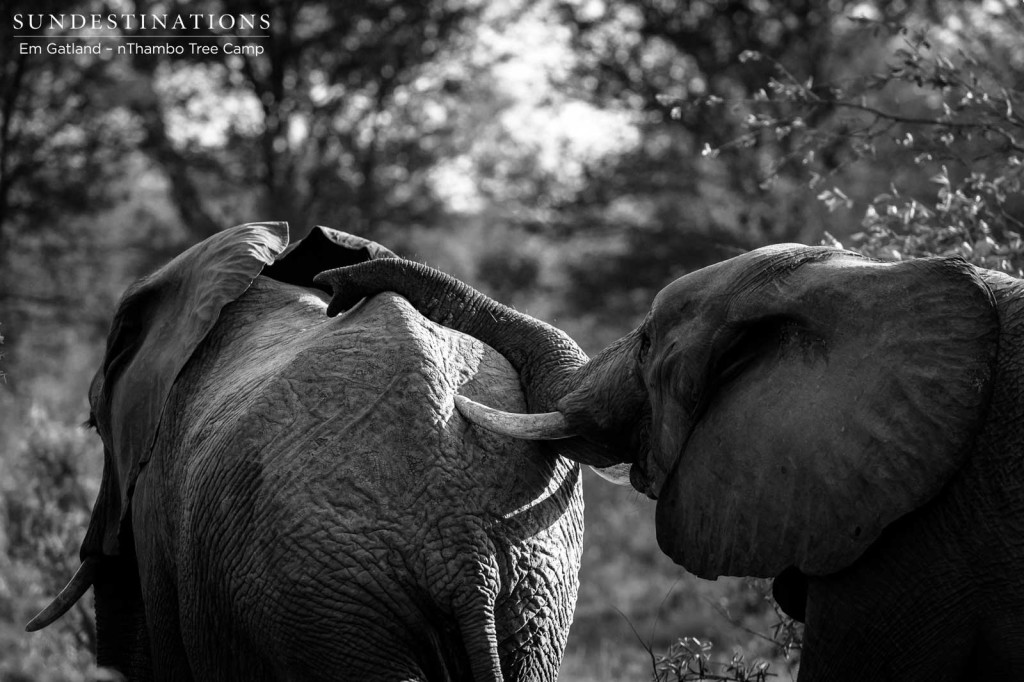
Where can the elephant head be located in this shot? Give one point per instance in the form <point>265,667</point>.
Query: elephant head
<point>784,407</point>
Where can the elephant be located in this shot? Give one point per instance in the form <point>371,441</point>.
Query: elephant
<point>290,496</point>
<point>849,427</point>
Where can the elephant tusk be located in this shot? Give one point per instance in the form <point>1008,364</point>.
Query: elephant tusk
<point>616,473</point>
<point>76,587</point>
<point>544,426</point>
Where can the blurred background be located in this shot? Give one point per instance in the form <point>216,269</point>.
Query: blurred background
<point>568,157</point>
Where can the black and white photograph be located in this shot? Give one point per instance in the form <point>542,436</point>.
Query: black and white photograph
<point>519,341</point>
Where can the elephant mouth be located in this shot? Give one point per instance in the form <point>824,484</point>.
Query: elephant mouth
<point>790,592</point>
<point>639,473</point>
<point>641,482</point>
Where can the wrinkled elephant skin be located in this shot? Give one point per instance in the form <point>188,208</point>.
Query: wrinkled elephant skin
<point>314,508</point>
<point>852,426</point>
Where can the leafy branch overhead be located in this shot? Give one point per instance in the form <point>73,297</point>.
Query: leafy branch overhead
<point>936,106</point>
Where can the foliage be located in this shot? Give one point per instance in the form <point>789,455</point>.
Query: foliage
<point>689,660</point>
<point>694,659</point>
<point>337,123</point>
<point>962,130</point>
<point>340,122</point>
<point>59,137</point>
<point>63,145</point>
<point>44,512</point>
<point>658,210</point>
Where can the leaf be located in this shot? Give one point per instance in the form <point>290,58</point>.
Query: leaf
<point>941,178</point>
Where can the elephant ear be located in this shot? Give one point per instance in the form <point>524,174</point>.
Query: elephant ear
<point>158,325</point>
<point>844,393</point>
<point>323,249</point>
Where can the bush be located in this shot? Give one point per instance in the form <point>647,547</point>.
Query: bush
<point>692,659</point>
<point>43,516</point>
<point>938,108</point>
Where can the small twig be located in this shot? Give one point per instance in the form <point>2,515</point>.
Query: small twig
<point>645,645</point>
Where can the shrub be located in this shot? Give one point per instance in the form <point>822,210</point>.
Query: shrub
<point>693,659</point>
<point>937,111</point>
<point>43,516</point>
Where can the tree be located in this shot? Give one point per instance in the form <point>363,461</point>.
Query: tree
<point>62,146</point>
<point>669,209</point>
<point>939,121</point>
<point>339,121</point>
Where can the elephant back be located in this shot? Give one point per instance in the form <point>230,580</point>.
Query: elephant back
<point>374,387</point>
<point>289,424</point>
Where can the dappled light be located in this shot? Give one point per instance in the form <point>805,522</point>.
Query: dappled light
<point>569,158</point>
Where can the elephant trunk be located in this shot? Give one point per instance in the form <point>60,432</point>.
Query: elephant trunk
<point>551,366</point>
<point>122,635</point>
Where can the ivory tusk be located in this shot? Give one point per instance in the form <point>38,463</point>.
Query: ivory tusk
<point>544,426</point>
<point>616,473</point>
<point>76,587</point>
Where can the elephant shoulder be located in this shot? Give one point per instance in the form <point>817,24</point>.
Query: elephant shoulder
<point>275,361</point>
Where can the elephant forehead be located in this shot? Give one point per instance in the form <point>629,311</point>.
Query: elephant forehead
<point>707,291</point>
